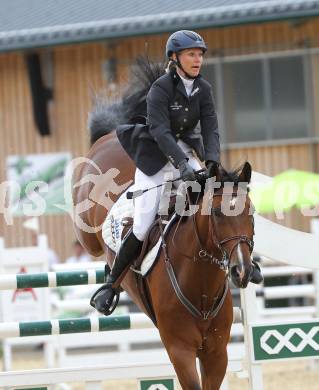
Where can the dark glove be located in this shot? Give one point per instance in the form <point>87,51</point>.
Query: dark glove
<point>210,164</point>
<point>186,171</point>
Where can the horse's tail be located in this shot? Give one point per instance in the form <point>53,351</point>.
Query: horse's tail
<point>106,115</point>
<point>104,118</point>
<point>144,73</point>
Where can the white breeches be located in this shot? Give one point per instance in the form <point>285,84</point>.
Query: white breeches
<point>147,205</point>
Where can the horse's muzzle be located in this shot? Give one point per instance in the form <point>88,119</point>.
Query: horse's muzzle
<point>240,275</point>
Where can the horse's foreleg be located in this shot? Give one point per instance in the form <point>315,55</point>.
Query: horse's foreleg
<point>184,362</point>
<point>213,369</point>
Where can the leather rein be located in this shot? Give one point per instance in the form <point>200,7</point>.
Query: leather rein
<point>205,255</point>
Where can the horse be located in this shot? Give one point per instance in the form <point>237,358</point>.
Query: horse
<point>188,285</point>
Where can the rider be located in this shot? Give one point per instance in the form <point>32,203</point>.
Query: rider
<point>176,102</point>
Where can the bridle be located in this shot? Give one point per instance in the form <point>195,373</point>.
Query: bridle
<point>238,238</point>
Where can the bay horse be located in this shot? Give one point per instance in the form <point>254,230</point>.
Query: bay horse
<point>194,314</point>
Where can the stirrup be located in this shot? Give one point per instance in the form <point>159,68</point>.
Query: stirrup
<point>106,310</point>
<point>115,302</point>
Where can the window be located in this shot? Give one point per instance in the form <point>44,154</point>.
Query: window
<point>208,71</point>
<point>288,100</point>
<point>244,108</point>
<point>261,98</point>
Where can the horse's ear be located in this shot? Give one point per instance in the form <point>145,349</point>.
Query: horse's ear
<point>245,174</point>
<point>213,171</point>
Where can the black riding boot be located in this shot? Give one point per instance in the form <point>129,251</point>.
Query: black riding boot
<point>128,252</point>
<point>256,276</point>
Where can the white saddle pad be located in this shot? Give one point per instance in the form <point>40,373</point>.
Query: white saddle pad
<point>112,230</point>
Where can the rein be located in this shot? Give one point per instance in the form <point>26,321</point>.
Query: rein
<point>204,315</point>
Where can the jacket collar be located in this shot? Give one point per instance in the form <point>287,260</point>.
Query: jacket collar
<point>178,82</point>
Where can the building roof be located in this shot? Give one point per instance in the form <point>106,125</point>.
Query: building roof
<point>35,23</point>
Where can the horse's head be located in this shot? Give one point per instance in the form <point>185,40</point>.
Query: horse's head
<point>232,221</point>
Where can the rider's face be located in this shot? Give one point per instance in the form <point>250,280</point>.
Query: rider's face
<point>191,60</point>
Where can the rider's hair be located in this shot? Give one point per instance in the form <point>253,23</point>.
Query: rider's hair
<point>170,65</point>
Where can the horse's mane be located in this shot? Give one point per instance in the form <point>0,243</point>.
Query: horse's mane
<point>108,113</point>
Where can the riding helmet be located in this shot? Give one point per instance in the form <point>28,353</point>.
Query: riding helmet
<point>184,39</point>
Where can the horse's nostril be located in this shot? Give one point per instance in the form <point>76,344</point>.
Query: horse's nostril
<point>235,271</point>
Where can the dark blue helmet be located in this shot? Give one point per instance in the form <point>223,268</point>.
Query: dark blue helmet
<point>184,39</point>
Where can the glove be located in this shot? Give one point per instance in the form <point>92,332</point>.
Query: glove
<point>210,164</point>
<point>186,171</point>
